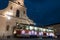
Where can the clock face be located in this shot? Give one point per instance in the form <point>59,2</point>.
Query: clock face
<point>3,4</point>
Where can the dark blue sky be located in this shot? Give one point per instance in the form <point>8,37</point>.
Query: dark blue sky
<point>3,4</point>
<point>43,12</point>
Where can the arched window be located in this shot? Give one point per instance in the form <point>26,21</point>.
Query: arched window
<point>24,12</point>
<point>17,13</point>
<point>7,27</point>
<point>11,7</point>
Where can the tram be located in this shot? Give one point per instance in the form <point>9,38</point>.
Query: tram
<point>32,31</point>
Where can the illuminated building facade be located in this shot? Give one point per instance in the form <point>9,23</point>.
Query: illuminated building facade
<point>32,31</point>
<point>56,27</point>
<point>14,13</point>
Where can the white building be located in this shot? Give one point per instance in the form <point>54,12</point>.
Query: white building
<point>15,12</point>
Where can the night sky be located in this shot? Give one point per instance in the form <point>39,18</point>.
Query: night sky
<point>43,12</point>
<point>3,4</point>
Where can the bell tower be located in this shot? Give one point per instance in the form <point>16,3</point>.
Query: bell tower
<point>20,11</point>
<point>18,7</point>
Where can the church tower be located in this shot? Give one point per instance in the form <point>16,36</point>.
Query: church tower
<point>15,12</point>
<point>20,10</point>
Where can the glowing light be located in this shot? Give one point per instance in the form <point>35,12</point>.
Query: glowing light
<point>40,33</point>
<point>29,32</point>
<point>17,24</point>
<point>35,28</point>
<point>44,29</point>
<point>35,33</point>
<point>31,27</point>
<point>32,32</point>
<point>14,32</point>
<point>23,32</point>
<point>8,14</point>
<point>50,30</point>
<point>47,34</point>
<point>8,17</point>
<point>51,34</point>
